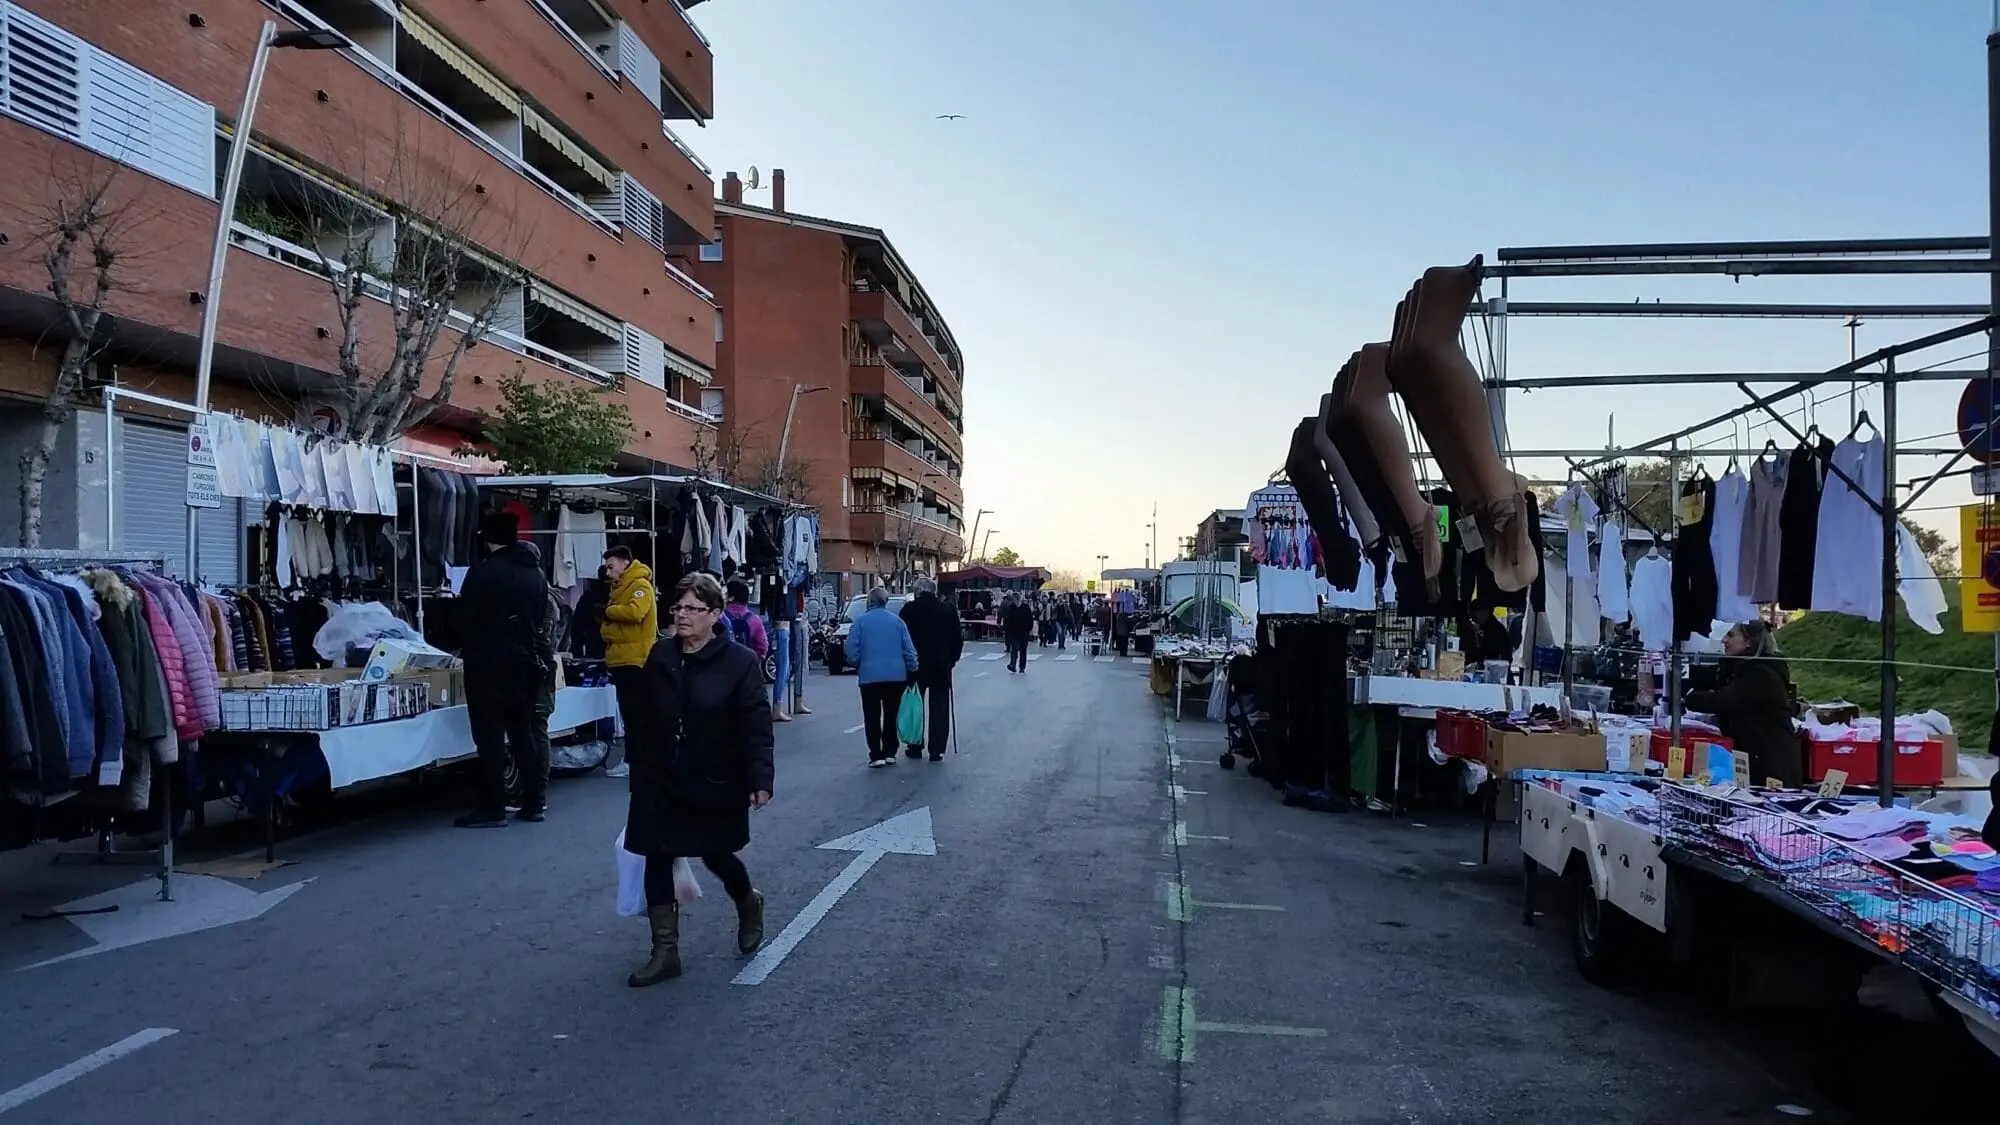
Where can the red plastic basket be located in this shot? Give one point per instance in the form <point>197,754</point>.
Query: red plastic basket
<point>1657,746</point>
<point>1461,734</point>
<point>1918,761</point>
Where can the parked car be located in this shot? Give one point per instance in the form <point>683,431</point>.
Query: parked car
<point>836,643</point>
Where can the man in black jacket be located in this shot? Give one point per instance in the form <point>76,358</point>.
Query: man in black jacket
<point>503,604</point>
<point>1017,624</point>
<point>940,641</point>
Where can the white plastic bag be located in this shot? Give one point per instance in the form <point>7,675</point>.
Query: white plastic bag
<point>631,879</point>
<point>686,890</point>
<point>359,623</point>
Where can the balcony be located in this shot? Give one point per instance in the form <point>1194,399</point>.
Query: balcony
<point>876,379</point>
<point>888,325</point>
<point>873,450</point>
<point>874,522</point>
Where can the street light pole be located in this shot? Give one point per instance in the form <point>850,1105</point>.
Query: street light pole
<point>982,545</point>
<point>976,517</point>
<point>785,438</point>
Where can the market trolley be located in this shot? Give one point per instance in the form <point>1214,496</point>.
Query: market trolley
<point>1621,875</point>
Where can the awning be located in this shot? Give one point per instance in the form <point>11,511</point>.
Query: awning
<point>435,42</point>
<point>686,368</point>
<point>627,485</point>
<point>886,476</point>
<point>544,128</point>
<point>542,294</point>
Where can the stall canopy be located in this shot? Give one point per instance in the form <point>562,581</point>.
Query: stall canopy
<point>1003,577</point>
<point>1130,574</point>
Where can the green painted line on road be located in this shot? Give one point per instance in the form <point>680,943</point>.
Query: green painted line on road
<point>1177,903</point>
<point>1182,836</point>
<point>1179,1027</point>
<point>1181,905</point>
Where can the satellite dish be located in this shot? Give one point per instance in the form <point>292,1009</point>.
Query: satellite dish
<point>754,180</point>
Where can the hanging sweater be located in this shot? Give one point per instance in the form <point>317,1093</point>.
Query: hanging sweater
<point>1847,573</point>
<point>1614,600</point>
<point>1653,601</point>
<point>1732,497</point>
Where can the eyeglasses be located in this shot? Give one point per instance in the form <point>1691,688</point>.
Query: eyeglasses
<point>691,607</point>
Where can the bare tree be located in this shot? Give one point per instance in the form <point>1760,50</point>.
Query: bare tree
<point>84,239</point>
<point>406,251</point>
<point>789,481</point>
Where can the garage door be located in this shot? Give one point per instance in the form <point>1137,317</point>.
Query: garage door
<point>151,485</point>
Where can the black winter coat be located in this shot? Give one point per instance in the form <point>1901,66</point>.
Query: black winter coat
<point>937,635</point>
<point>702,748</point>
<point>1755,710</point>
<point>500,609</point>
<point>1017,621</point>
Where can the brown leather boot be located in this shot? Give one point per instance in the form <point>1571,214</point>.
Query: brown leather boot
<point>750,923</point>
<point>665,963</point>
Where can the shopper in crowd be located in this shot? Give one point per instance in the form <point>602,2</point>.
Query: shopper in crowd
<point>631,625</point>
<point>885,662</point>
<point>742,623</point>
<point>1059,619</point>
<point>702,763</point>
<point>503,603</point>
<point>939,641</point>
<point>1017,623</point>
<point>1754,704</point>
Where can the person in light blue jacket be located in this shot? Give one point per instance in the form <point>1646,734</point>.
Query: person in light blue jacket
<point>885,661</point>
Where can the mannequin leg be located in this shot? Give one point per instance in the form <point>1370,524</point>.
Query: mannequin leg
<point>1366,425</point>
<point>1343,480</point>
<point>1340,555</point>
<point>1442,391</point>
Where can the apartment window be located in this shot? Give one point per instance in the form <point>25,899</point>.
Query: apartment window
<point>297,213</point>
<point>718,326</point>
<point>712,251</point>
<point>712,402</point>
<point>559,323</point>
<point>430,61</point>
<point>58,83</point>
<point>550,150</point>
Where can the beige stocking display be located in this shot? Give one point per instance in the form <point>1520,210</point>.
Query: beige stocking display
<point>1343,480</point>
<point>1440,387</point>
<point>1370,440</point>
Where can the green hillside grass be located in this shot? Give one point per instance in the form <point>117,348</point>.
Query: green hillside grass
<point>1965,696</point>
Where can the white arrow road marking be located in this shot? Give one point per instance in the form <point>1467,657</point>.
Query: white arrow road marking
<point>201,902</point>
<point>23,1094</point>
<point>908,834</point>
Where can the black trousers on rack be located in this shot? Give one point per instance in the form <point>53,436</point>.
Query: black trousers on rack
<point>1306,664</point>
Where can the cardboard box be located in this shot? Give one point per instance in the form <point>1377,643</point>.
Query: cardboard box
<point>1570,749</point>
<point>1950,742</point>
<point>447,685</point>
<point>392,658</point>
<point>316,676</point>
<point>242,681</point>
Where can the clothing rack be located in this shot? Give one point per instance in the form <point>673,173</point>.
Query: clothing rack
<point>106,851</point>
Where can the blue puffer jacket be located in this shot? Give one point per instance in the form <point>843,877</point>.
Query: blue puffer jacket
<point>879,647</point>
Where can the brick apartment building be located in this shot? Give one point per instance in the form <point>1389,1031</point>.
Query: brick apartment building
<point>828,312</point>
<point>550,122</point>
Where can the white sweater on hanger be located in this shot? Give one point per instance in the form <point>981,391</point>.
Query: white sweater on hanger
<point>1725,543</point>
<point>1614,601</point>
<point>580,546</point>
<point>1653,601</point>
<point>1847,557</point>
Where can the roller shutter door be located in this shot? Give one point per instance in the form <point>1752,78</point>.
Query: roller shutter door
<point>150,477</point>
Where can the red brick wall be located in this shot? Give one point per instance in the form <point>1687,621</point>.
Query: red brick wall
<point>679,50</point>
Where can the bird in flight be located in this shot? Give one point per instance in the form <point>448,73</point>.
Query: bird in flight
<point>951,117</point>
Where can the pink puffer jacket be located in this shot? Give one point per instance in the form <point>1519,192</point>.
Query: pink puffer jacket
<point>197,657</point>
<point>187,721</point>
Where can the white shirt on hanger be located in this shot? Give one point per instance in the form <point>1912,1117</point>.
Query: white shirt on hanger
<point>1653,601</point>
<point>1847,554</point>
<point>1578,512</point>
<point>1614,601</point>
<point>1917,583</point>
<point>1725,543</point>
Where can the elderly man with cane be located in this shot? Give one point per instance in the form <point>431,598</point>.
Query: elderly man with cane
<point>940,641</point>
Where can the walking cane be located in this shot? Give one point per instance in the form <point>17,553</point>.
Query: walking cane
<point>953,704</point>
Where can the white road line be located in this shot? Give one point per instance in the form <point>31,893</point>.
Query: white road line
<point>1062,658</point>
<point>1034,656</point>
<point>23,1094</point>
<point>994,656</point>
<point>1142,660</point>
<point>1103,659</point>
<point>852,729</point>
<point>980,676</point>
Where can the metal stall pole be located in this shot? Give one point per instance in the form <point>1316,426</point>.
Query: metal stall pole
<point>1674,638</point>
<point>1886,750</point>
<point>1993,233</point>
<point>417,536</point>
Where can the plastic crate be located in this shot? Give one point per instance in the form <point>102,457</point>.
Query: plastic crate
<point>1918,761</point>
<point>1662,740</point>
<point>1461,734</point>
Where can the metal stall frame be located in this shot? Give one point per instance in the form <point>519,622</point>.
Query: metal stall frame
<point>1751,259</point>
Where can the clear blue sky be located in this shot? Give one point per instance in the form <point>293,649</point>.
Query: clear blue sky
<point>1163,224</point>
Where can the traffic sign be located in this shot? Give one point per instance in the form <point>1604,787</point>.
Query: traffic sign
<point>201,445</point>
<point>1978,406</point>
<point>1986,482</point>
<point>204,487</point>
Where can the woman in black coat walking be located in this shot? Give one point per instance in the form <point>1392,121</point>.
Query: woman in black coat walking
<point>701,761</point>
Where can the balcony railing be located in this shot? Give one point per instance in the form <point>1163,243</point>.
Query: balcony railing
<point>575,40</point>
<point>685,150</point>
<point>689,283</point>
<point>312,262</point>
<point>870,508</point>
<point>689,20</point>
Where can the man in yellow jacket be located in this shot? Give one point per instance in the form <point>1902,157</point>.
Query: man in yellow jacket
<point>631,625</point>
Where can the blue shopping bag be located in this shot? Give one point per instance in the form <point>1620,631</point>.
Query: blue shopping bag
<point>910,718</point>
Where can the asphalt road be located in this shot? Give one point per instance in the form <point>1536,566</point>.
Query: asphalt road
<point>1067,955</point>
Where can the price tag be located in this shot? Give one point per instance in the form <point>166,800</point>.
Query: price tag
<point>1691,507</point>
<point>1742,763</point>
<point>1835,781</point>
<point>1468,534</point>
<point>1773,783</point>
<point>1677,763</point>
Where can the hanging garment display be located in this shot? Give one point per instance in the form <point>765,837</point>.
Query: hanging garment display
<point>1340,555</point>
<point>1847,571</point>
<point>1732,499</point>
<point>1653,601</point>
<point>1282,542</point>
<point>291,472</point>
<point>580,546</point>
<point>1351,499</point>
<point>1442,392</point>
<point>383,468</point>
<point>1798,520</point>
<point>233,476</point>
<point>1757,565</point>
<point>1578,511</point>
<point>1614,601</point>
<point>360,479</point>
<point>339,488</point>
<point>1918,585</point>
<point>1694,591</point>
<point>1370,440</point>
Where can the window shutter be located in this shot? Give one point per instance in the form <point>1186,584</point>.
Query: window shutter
<point>638,64</point>
<point>645,357</point>
<point>44,68</point>
<point>644,215</point>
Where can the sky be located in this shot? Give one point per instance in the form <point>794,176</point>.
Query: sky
<point>1163,225</point>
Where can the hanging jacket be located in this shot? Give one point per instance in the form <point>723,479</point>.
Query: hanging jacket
<point>107,707</point>
<point>68,661</point>
<point>631,618</point>
<point>187,721</point>
<point>46,755</point>
<point>197,657</point>
<point>149,721</point>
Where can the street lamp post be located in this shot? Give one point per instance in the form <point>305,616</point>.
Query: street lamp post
<point>269,38</point>
<point>1100,568</point>
<point>976,517</point>
<point>982,545</point>
<point>785,438</point>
